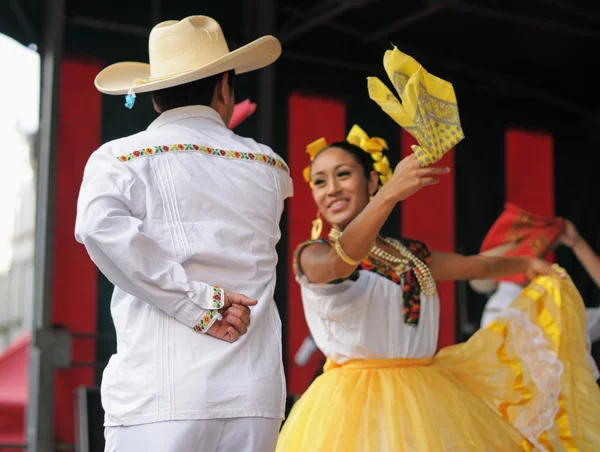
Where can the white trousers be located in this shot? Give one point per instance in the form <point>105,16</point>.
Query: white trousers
<point>249,434</point>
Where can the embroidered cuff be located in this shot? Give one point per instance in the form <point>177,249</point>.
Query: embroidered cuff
<point>207,320</point>
<point>216,300</point>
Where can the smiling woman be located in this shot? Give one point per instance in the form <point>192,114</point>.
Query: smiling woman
<point>342,165</point>
<point>345,188</point>
<point>372,307</point>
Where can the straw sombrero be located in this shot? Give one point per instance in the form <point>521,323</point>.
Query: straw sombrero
<point>185,51</point>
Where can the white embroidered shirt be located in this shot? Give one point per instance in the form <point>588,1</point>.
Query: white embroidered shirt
<point>171,215</point>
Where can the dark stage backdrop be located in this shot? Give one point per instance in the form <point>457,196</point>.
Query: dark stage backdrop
<point>522,153</point>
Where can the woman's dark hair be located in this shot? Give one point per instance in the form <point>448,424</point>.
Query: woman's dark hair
<point>362,157</point>
<point>199,92</point>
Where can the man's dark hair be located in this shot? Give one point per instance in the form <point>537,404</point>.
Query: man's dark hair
<point>199,92</point>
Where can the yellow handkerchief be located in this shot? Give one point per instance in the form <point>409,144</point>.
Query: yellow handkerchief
<point>428,111</point>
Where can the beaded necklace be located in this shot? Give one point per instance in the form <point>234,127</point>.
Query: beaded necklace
<point>422,272</point>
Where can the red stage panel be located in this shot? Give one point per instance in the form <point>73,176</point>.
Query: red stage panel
<point>429,216</point>
<point>310,117</point>
<point>529,172</point>
<point>75,275</point>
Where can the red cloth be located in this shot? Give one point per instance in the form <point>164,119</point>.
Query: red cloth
<point>241,111</point>
<point>533,236</point>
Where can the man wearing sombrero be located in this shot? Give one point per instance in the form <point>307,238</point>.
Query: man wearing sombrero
<point>183,219</point>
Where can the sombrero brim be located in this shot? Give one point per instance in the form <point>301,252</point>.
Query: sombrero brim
<point>119,78</point>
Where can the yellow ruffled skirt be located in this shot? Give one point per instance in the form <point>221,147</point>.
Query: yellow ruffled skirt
<point>522,383</point>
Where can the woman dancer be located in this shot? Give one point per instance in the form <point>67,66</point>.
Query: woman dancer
<point>372,308</point>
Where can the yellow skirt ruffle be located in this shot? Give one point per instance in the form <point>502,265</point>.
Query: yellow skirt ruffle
<point>522,383</point>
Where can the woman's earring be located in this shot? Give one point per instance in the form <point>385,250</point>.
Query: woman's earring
<point>317,227</point>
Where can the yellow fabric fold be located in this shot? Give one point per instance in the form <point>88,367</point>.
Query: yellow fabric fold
<point>521,384</point>
<point>428,111</point>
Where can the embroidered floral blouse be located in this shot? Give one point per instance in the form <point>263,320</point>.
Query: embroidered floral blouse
<point>378,312</point>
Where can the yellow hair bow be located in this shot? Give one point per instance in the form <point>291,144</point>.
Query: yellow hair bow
<point>358,137</point>
<point>429,111</point>
<point>312,150</point>
<point>315,147</point>
<point>374,146</point>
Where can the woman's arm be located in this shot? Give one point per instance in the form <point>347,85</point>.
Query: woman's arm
<point>584,252</point>
<point>589,259</point>
<point>456,267</point>
<point>321,263</point>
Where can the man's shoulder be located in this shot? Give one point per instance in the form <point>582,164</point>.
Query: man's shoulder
<point>276,161</point>
<point>121,145</point>
<point>259,148</point>
<point>123,148</point>
<point>109,158</point>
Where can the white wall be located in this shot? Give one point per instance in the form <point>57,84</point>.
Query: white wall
<point>19,90</point>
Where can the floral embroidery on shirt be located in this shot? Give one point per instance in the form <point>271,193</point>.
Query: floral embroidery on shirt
<point>252,156</point>
<point>402,274</point>
<point>411,295</point>
<point>207,320</point>
<point>419,249</point>
<point>217,300</point>
<point>411,290</point>
<point>373,264</point>
<point>217,297</point>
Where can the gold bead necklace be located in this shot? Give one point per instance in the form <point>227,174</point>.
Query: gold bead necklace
<point>422,272</point>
